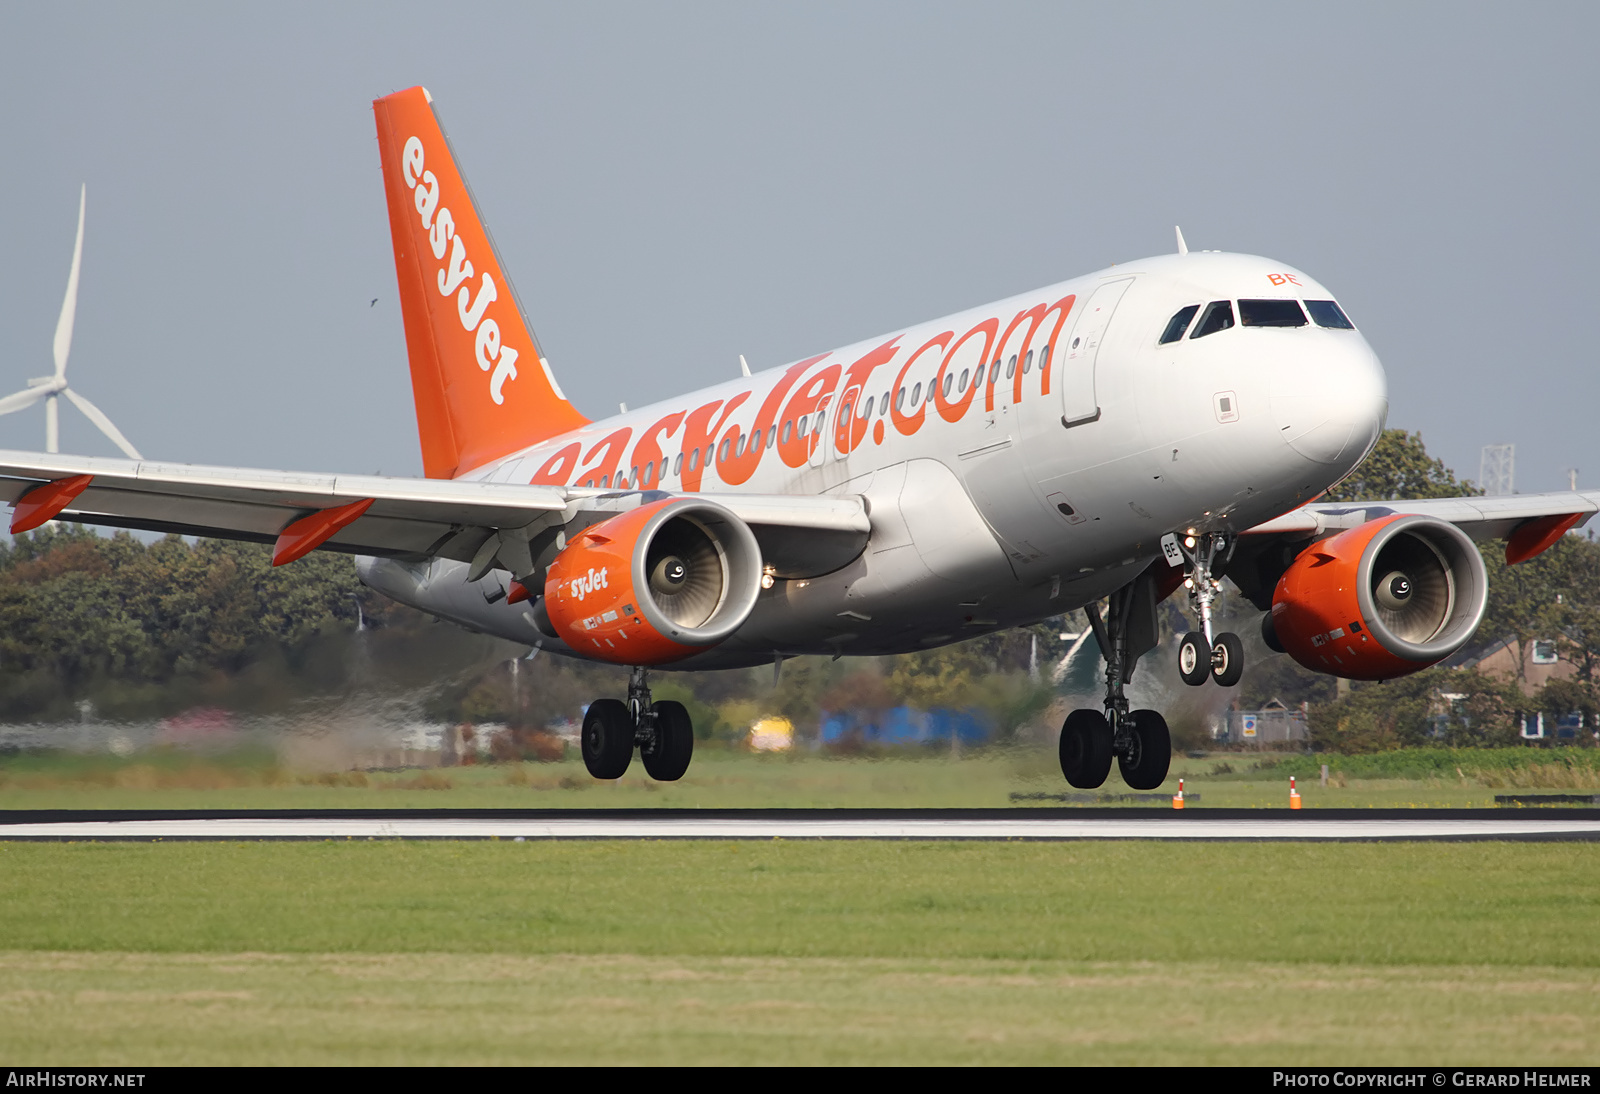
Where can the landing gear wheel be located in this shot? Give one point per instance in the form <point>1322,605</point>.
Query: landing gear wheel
<point>1227,659</point>
<point>607,739</point>
<point>667,757</point>
<point>1144,765</point>
<point>1086,749</point>
<point>1194,659</point>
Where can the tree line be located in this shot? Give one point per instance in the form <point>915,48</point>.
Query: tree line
<point>125,629</point>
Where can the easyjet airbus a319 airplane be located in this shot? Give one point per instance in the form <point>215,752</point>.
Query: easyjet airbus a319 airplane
<point>1094,444</point>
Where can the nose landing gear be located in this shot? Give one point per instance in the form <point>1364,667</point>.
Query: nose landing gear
<point>662,731</point>
<point>1204,653</point>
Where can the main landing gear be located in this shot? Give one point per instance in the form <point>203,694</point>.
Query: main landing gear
<point>662,731</point>
<point>1203,654</point>
<point>1138,739</point>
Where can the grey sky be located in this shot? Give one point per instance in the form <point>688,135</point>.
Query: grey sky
<point>672,185</point>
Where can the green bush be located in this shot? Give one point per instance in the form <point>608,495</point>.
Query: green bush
<point>1449,707</point>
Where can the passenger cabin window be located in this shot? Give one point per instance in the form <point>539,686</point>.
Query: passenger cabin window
<point>1178,324</point>
<point>1271,313</point>
<point>1329,314</point>
<point>1218,316</point>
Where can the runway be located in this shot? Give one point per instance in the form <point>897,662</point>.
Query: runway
<point>811,824</point>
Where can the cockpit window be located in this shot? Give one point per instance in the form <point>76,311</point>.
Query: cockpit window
<point>1218,316</point>
<point>1329,314</point>
<point>1178,324</point>
<point>1271,313</point>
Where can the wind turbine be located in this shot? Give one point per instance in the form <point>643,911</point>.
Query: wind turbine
<point>49,388</point>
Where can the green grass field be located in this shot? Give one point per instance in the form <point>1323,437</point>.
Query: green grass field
<point>500,952</point>
<point>730,779</point>
<point>781,952</point>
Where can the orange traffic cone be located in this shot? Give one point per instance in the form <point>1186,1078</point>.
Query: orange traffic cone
<point>1294,795</point>
<point>1177,800</point>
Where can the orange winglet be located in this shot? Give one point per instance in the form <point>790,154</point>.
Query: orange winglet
<point>301,537</point>
<point>44,501</point>
<point>1537,536</point>
<point>519,592</point>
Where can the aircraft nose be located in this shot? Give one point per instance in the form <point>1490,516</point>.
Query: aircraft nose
<point>1330,404</point>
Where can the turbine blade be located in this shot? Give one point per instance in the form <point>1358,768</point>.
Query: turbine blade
<point>69,306</point>
<point>22,399</point>
<point>98,417</point>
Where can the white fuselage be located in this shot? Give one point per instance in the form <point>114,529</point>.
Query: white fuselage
<point>992,504</point>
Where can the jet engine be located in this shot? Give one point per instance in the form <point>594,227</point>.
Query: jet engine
<point>655,584</point>
<point>1390,597</point>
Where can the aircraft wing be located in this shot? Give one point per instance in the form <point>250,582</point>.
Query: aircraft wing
<point>401,518</point>
<point>1525,520</point>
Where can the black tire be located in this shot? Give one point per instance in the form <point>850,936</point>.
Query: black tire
<point>1227,660</point>
<point>1086,749</point>
<point>607,739</point>
<point>1194,659</point>
<point>1144,766</point>
<point>668,756</point>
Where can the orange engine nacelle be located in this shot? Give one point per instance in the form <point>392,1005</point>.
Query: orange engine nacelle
<point>656,584</point>
<point>1395,595</point>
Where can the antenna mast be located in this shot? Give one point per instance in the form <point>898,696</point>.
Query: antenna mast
<point>1497,468</point>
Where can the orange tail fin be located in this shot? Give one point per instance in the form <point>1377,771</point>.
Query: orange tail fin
<point>483,388</point>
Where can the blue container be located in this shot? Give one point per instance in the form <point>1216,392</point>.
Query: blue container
<point>904,726</point>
